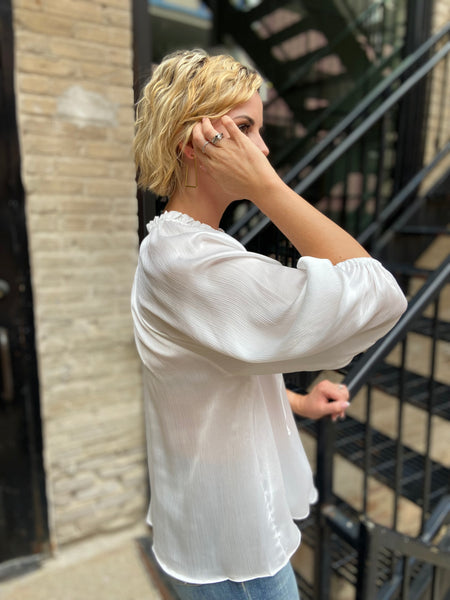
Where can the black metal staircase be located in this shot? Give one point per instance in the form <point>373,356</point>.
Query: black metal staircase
<point>320,62</point>
<point>397,221</point>
<point>346,531</point>
<point>341,152</point>
<point>292,43</point>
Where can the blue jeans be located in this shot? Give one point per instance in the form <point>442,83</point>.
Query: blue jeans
<point>281,586</point>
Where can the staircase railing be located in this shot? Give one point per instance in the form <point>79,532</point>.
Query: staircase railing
<point>410,474</point>
<point>415,568</point>
<point>391,565</point>
<point>373,109</point>
<point>339,107</point>
<point>358,374</point>
<point>319,65</point>
<point>376,234</point>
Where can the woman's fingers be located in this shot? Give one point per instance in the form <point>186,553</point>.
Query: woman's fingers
<point>204,133</point>
<point>231,128</point>
<point>210,132</point>
<point>198,136</point>
<point>234,161</point>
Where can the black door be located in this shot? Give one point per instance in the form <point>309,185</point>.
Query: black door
<point>23,515</point>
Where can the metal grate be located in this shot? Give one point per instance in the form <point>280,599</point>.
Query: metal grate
<point>350,444</point>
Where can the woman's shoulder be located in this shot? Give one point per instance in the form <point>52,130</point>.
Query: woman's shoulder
<point>178,241</point>
<point>178,229</point>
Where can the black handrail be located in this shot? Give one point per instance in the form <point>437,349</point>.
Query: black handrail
<point>358,374</point>
<point>357,133</point>
<point>402,197</point>
<point>331,137</point>
<point>312,129</point>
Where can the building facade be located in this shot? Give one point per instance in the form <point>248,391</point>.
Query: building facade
<point>75,112</point>
<point>74,104</point>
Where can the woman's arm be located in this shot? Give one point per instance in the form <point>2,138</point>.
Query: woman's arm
<point>242,170</point>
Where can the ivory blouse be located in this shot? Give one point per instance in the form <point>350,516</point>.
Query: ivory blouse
<point>215,326</point>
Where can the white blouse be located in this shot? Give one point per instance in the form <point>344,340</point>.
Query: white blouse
<point>215,325</point>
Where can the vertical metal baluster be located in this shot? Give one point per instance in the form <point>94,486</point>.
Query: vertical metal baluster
<point>380,172</point>
<point>326,433</point>
<point>442,108</point>
<point>343,217</point>
<point>367,447</point>
<point>384,34</point>
<point>405,579</point>
<point>369,547</point>
<point>435,584</point>
<point>361,209</point>
<point>399,443</point>
<point>430,407</point>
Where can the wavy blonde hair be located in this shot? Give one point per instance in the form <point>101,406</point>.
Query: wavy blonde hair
<point>184,88</point>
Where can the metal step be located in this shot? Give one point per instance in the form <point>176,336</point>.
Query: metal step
<point>416,388</point>
<point>291,31</point>
<point>267,7</point>
<point>423,230</point>
<point>407,269</point>
<point>425,326</point>
<point>350,444</point>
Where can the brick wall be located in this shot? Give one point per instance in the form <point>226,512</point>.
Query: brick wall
<point>75,113</point>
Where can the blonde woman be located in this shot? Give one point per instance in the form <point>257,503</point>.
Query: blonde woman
<point>215,327</point>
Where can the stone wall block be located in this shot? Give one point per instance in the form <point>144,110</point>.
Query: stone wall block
<point>43,23</point>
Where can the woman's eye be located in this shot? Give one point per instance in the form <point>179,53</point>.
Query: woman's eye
<point>244,127</point>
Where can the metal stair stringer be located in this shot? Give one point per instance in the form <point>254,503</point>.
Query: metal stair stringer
<point>290,75</point>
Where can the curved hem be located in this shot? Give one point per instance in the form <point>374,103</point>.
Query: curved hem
<point>218,579</point>
<point>313,498</point>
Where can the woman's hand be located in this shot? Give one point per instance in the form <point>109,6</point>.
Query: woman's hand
<point>326,398</point>
<point>235,163</point>
<point>239,168</point>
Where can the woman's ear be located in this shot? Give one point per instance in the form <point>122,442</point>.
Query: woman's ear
<point>188,150</point>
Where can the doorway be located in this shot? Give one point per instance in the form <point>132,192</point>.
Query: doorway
<point>23,510</point>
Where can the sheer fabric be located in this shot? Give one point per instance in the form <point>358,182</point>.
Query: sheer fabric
<point>215,326</point>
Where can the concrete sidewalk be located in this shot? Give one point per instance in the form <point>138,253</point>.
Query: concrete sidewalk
<point>108,568</point>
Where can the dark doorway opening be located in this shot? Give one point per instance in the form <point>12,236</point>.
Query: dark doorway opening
<point>23,510</point>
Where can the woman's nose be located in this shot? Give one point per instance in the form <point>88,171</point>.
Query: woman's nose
<point>262,146</point>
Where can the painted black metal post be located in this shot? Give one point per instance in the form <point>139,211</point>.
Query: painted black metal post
<point>413,107</point>
<point>324,481</point>
<point>368,545</point>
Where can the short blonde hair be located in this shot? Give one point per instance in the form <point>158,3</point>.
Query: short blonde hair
<point>184,88</point>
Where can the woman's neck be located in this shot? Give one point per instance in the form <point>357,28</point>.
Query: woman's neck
<point>197,206</point>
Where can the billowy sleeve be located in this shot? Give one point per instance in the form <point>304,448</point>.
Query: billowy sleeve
<point>252,315</point>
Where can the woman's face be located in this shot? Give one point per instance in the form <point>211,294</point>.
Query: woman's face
<point>249,118</point>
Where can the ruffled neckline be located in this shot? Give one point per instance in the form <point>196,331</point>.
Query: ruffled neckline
<point>174,215</point>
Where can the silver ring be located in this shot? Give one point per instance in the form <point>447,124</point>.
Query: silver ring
<point>217,138</point>
<point>340,386</point>
<point>204,146</point>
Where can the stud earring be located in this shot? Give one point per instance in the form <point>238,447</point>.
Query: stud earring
<point>186,176</point>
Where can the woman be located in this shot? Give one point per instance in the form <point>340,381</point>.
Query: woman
<point>215,327</point>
